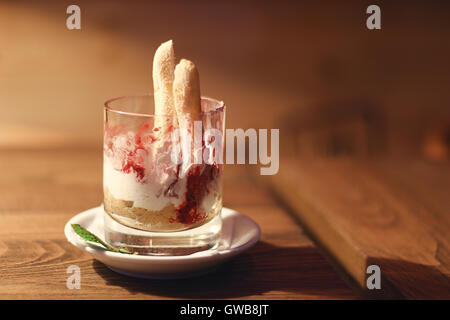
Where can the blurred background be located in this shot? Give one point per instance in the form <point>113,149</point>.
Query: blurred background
<point>333,87</point>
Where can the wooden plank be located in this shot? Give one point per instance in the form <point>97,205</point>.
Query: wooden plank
<point>41,190</point>
<point>394,214</point>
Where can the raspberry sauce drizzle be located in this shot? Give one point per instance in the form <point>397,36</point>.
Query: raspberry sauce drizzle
<point>198,180</point>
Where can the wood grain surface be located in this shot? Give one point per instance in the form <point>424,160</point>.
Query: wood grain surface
<point>41,189</point>
<point>392,213</point>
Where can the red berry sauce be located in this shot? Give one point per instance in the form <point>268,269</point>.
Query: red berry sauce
<point>199,179</point>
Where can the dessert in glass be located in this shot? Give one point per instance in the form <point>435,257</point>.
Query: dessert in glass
<point>162,168</point>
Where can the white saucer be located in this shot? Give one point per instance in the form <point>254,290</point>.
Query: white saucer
<point>239,233</point>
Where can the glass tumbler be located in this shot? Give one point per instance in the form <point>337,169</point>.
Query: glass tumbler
<point>162,177</point>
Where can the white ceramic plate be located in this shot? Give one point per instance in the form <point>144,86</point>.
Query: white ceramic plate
<point>239,233</point>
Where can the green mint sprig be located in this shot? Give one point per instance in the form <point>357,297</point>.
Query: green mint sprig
<point>90,237</point>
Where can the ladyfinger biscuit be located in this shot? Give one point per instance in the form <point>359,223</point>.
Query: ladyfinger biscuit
<point>186,92</point>
<point>163,76</point>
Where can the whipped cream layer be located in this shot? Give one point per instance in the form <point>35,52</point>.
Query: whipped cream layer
<point>148,194</point>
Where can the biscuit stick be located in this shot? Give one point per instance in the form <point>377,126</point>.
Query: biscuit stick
<point>186,92</point>
<point>163,74</point>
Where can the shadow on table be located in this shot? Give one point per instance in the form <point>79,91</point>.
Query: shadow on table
<point>265,268</point>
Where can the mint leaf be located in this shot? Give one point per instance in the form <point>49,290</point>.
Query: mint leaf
<point>90,237</point>
<point>86,235</point>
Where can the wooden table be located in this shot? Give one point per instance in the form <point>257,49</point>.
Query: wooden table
<point>393,213</point>
<point>41,189</point>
